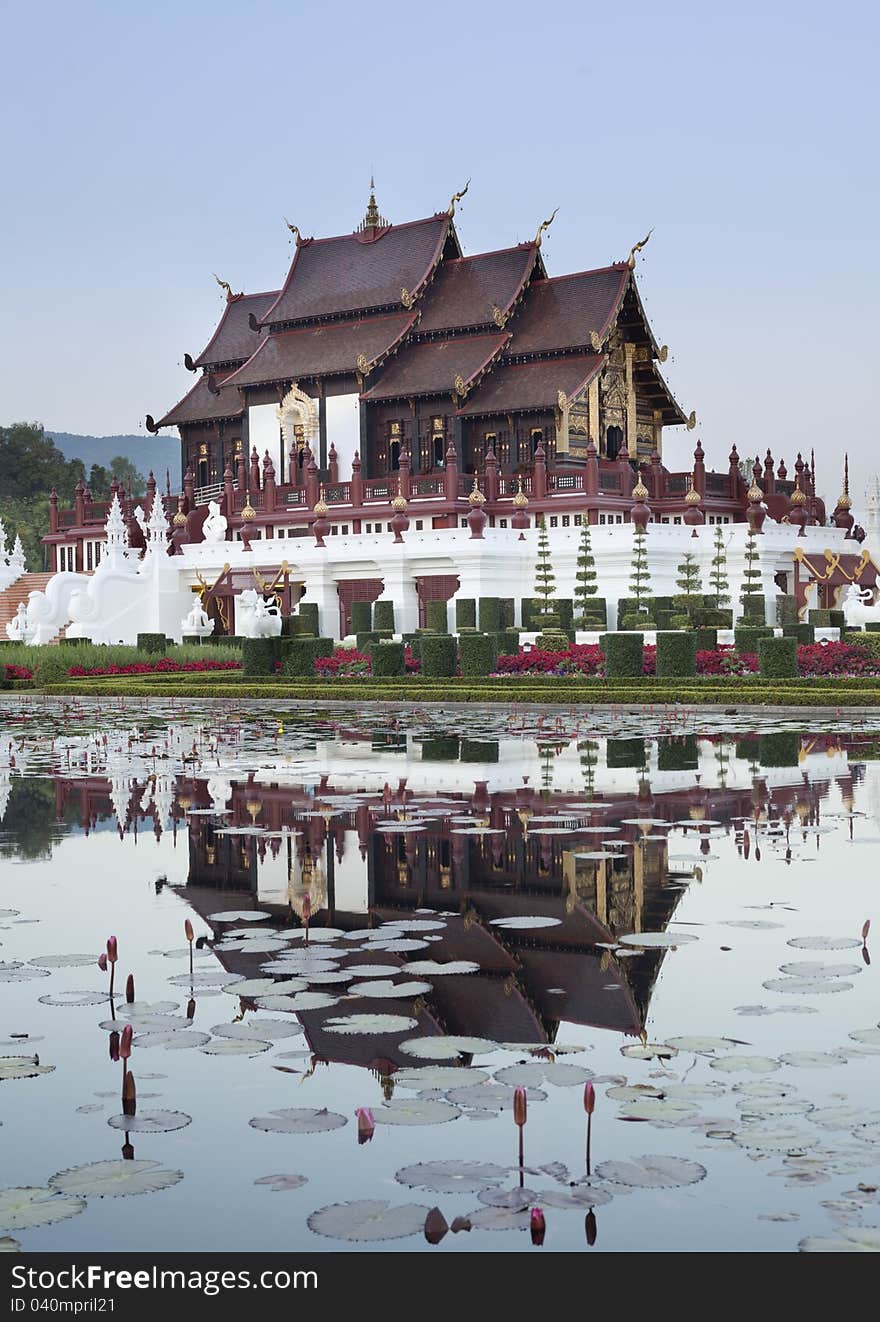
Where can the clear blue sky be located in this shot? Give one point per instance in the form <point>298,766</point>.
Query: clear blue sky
<point>145,146</point>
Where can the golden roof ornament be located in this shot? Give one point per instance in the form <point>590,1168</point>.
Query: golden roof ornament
<point>226,286</point>
<point>398,504</point>
<point>476,496</point>
<point>562,401</point>
<point>320,507</point>
<point>693,496</point>
<point>248,512</point>
<point>295,231</point>
<point>179,519</point>
<point>520,500</point>
<point>798,497</point>
<point>456,197</point>
<point>500,318</point>
<point>637,247</point>
<point>544,225</point>
<point>459,386</point>
<point>595,341</point>
<point>640,491</point>
<point>407,299</point>
<point>843,500</point>
<point>755,494</point>
<point>363,364</point>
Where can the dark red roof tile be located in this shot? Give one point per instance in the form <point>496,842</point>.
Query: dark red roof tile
<point>233,340</point>
<point>322,350</point>
<point>515,387</point>
<point>465,290</point>
<point>431,367</point>
<point>201,404</point>
<point>560,313</point>
<point>354,272</point>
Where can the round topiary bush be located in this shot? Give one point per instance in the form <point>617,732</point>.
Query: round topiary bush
<point>477,652</point>
<point>388,658</point>
<point>676,654</point>
<point>623,654</point>
<point>777,658</point>
<point>437,652</point>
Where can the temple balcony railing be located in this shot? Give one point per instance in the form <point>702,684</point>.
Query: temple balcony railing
<point>509,484</point>
<point>338,493</point>
<point>426,486</point>
<point>202,495</point>
<point>240,499</point>
<point>567,482</point>
<point>609,481</point>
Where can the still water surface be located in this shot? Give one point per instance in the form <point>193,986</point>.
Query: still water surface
<point>494,899</point>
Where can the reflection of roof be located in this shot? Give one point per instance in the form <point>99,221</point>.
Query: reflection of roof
<point>560,313</point>
<point>201,404</point>
<point>431,367</point>
<point>590,993</point>
<point>357,272</point>
<point>233,340</point>
<point>510,387</point>
<point>323,350</point>
<point>466,290</point>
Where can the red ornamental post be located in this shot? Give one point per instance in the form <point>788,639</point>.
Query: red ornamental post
<point>403,486</point>
<point>321,524</point>
<point>254,483</point>
<point>228,493</point>
<point>333,464</point>
<point>477,517</point>
<point>311,478</point>
<point>399,521</point>
<point>268,483</point>
<point>640,512</point>
<point>491,480</point>
<point>591,474</point>
<point>539,473</point>
<point>357,482</point>
<point>450,475</point>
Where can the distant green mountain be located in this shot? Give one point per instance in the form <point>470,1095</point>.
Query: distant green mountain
<point>145,452</point>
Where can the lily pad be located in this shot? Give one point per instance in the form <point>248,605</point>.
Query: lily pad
<point>652,1172</point>
<point>500,1218</point>
<point>73,998</point>
<point>22,1067</point>
<point>432,968</point>
<point>63,961</point>
<point>368,1220</point>
<point>380,989</point>
<point>657,940</point>
<point>371,1023</point>
<point>525,923</point>
<point>447,1048</point>
<point>748,1064</point>
<point>811,1059</point>
<point>703,1044</point>
<point>281,1183</point>
<point>260,1030</point>
<point>151,1122</point>
<point>28,1207</point>
<point>307,1000</point>
<point>852,1239</point>
<point>650,1051</point>
<point>299,1120</point>
<point>823,943</point>
<point>492,1096</point>
<point>438,1076</point>
<point>238,915</point>
<point>115,1179</point>
<point>807,986</point>
<point>451,1176</point>
<point>535,1073</point>
<point>414,1111</point>
<point>579,1198</point>
<point>247,1046</point>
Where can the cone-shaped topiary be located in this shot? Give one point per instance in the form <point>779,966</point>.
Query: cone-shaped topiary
<point>718,581</point>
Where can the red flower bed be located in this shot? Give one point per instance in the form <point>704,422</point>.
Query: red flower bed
<point>18,672</point>
<point>835,659</point>
<point>166,666</point>
<point>813,659</point>
<point>346,662</point>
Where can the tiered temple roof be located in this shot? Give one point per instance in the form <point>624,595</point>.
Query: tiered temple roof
<point>235,340</point>
<point>472,292</point>
<point>432,367</point>
<point>520,387</point>
<point>208,400</point>
<point>328,349</point>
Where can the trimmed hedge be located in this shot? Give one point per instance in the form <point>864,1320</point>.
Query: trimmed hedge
<point>624,753</point>
<point>363,640</point>
<point>827,619</point>
<point>413,642</point>
<point>637,623</point>
<point>786,609</point>
<point>804,633</point>
<point>465,613</point>
<point>777,658</point>
<point>308,618</point>
<point>438,654</point>
<point>383,614</point>
<point>299,655</point>
<point>388,659</point>
<point>507,642</point>
<point>437,616</point>
<point>490,614</point>
<point>258,656</point>
<point>361,617</point>
<point>677,753</point>
<point>508,612</point>
<point>708,617</point>
<point>706,639</point>
<point>291,626</point>
<point>151,642</point>
<point>746,638</point>
<point>478,654</point>
<point>754,609</point>
<point>561,607</point>
<point>676,655</point>
<point>623,654</point>
<point>779,749</point>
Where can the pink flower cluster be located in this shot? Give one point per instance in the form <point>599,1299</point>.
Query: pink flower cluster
<point>813,659</point>
<point>18,672</point>
<point>347,663</point>
<point>166,666</point>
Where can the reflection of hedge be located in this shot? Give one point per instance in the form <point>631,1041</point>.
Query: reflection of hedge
<point>308,617</point>
<point>490,614</point>
<point>623,654</point>
<point>440,750</point>
<point>465,613</point>
<point>299,655</point>
<point>475,750</point>
<point>437,654</point>
<point>747,749</point>
<point>777,658</point>
<point>477,651</point>
<point>258,656</point>
<point>361,616</point>
<point>780,749</point>
<point>437,616</point>
<point>746,638</point>
<point>383,614</point>
<point>151,642</point>
<point>388,658</point>
<point>625,753</point>
<point>676,654</point>
<point>677,753</point>
<point>804,633</point>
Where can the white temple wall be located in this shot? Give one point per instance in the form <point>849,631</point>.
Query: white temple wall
<point>264,432</point>
<point>342,413</point>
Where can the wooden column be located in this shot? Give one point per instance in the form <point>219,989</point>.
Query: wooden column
<point>594,411</point>
<point>658,431</point>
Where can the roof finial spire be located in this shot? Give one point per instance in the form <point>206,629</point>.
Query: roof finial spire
<point>544,225</point>
<point>637,247</point>
<point>372,219</point>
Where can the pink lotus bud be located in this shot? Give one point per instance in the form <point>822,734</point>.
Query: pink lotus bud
<point>307,908</point>
<point>519,1106</point>
<point>366,1124</point>
<point>129,1095</point>
<point>188,931</point>
<point>590,1227</point>
<point>436,1226</point>
<point>112,949</point>
<point>589,1098</point>
<point>114,1045</point>
<point>190,1009</point>
<point>125,1042</point>
<point>866,927</point>
<point>537,1225</point>
<point>129,989</point>
<point>102,963</point>
<point>127,1152</point>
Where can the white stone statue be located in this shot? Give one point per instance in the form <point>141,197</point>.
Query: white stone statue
<point>253,618</point>
<point>18,629</point>
<point>858,606</point>
<point>198,624</point>
<point>214,527</point>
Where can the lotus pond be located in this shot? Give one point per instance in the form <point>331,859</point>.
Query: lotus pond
<point>397,980</point>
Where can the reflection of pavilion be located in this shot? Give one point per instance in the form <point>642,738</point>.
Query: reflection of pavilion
<point>347,848</point>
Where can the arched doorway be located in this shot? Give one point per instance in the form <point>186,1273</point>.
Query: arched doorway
<point>298,416</point>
